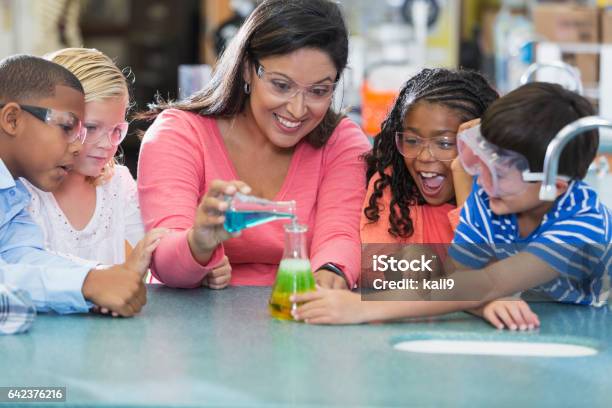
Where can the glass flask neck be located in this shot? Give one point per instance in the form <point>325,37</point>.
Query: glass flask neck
<point>243,202</point>
<point>295,241</point>
<point>246,211</point>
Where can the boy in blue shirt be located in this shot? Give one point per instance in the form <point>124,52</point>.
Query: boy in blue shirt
<point>41,107</point>
<point>562,250</point>
<point>508,240</point>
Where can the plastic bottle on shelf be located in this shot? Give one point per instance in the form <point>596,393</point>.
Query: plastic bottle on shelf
<point>395,52</point>
<point>514,36</point>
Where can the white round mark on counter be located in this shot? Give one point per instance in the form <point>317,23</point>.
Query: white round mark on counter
<point>495,348</point>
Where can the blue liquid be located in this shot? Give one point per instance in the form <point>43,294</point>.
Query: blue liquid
<point>239,220</point>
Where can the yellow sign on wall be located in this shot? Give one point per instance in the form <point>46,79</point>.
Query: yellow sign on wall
<point>443,38</point>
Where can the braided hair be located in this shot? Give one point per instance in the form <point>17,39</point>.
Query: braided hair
<point>466,92</point>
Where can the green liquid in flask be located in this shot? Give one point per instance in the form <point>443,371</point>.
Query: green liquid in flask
<point>294,276</point>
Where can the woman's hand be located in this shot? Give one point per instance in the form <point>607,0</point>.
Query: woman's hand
<point>329,306</point>
<point>220,276</point>
<point>208,231</point>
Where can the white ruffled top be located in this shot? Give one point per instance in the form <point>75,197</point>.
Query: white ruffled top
<point>116,219</point>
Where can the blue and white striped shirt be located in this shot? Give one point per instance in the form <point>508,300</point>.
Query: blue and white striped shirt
<point>574,238</point>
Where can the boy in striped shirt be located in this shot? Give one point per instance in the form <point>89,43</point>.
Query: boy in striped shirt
<point>560,250</point>
<point>508,240</point>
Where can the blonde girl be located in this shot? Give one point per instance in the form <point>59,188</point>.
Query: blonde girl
<point>95,213</point>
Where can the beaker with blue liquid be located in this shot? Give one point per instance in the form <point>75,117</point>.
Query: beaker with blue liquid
<point>245,211</point>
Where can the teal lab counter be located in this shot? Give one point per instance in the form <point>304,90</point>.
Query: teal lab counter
<point>202,347</point>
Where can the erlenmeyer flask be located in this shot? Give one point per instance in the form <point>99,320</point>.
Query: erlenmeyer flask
<point>246,211</point>
<point>294,274</point>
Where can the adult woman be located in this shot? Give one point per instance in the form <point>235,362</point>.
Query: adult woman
<point>265,120</point>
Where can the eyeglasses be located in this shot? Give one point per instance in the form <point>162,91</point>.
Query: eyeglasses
<point>442,148</point>
<point>115,133</point>
<point>285,88</point>
<point>67,121</point>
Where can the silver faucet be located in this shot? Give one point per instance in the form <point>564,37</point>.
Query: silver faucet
<point>573,73</point>
<point>548,191</point>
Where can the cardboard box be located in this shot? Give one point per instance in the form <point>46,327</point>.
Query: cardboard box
<point>570,23</point>
<point>567,22</point>
<point>606,26</point>
<point>588,64</point>
<point>487,35</point>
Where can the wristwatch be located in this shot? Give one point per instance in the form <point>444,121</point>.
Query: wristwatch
<point>333,268</point>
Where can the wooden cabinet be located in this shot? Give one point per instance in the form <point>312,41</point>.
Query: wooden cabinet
<point>213,14</point>
<point>152,37</point>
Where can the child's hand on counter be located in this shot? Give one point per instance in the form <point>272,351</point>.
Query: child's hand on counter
<point>140,257</point>
<point>329,306</point>
<point>116,290</point>
<point>329,280</point>
<point>510,313</point>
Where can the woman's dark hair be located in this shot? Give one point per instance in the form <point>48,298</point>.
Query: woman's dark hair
<point>466,92</point>
<point>528,118</point>
<point>276,27</point>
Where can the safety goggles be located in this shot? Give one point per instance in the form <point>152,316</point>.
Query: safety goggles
<point>68,122</point>
<point>442,148</point>
<point>500,172</point>
<point>285,88</point>
<point>115,133</point>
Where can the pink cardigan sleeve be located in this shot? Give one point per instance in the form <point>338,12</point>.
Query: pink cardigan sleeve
<point>170,175</point>
<point>341,195</point>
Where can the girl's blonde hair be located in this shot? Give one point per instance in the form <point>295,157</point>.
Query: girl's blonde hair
<point>101,80</point>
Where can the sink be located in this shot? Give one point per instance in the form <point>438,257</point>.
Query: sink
<point>499,344</point>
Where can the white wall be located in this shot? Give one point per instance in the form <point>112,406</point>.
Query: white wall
<point>18,28</point>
